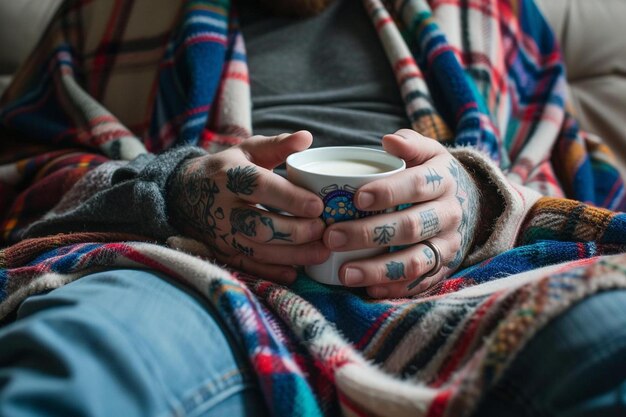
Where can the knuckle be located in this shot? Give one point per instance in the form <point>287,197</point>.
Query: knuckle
<point>364,235</point>
<point>416,267</point>
<point>418,182</point>
<point>385,195</point>
<point>381,276</point>
<point>317,253</point>
<point>454,244</point>
<point>456,216</point>
<point>411,226</point>
<point>264,182</point>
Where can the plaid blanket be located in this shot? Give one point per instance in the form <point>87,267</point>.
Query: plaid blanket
<point>114,79</point>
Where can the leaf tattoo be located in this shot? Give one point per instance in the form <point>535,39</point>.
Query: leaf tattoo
<point>395,270</point>
<point>242,180</point>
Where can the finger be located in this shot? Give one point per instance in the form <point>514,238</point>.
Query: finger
<point>276,191</point>
<point>311,253</point>
<point>417,184</point>
<point>271,151</point>
<point>402,290</point>
<point>414,224</point>
<point>399,272</point>
<point>414,148</point>
<point>256,184</point>
<point>266,227</point>
<point>277,273</point>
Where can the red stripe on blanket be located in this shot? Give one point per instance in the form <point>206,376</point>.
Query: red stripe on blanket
<point>439,403</point>
<point>403,63</point>
<point>137,256</point>
<point>368,335</point>
<point>351,405</point>
<point>382,22</point>
<point>240,76</point>
<point>463,344</point>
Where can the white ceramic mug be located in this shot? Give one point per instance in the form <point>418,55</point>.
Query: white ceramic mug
<point>335,173</point>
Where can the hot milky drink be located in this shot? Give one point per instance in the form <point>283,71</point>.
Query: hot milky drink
<point>346,167</point>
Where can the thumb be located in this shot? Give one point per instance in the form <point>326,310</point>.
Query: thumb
<point>271,151</point>
<point>414,148</point>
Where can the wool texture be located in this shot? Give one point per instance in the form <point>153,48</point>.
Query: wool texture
<point>107,83</point>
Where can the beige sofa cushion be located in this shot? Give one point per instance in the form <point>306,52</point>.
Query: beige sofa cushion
<point>592,36</point>
<point>21,24</point>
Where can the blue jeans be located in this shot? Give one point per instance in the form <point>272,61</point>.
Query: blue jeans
<point>123,343</point>
<point>133,343</point>
<point>574,367</point>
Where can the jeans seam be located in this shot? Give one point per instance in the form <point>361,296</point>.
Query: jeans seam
<point>214,390</point>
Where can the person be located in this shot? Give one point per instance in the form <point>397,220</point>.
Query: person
<point>148,330</point>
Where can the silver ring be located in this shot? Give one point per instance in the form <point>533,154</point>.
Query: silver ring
<point>438,263</point>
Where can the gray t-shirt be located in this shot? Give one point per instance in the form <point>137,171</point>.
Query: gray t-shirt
<point>328,74</point>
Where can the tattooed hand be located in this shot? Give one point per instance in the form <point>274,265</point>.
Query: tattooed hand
<point>213,199</point>
<point>444,211</point>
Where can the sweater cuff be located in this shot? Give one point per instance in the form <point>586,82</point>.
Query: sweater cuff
<point>514,200</point>
<point>129,199</point>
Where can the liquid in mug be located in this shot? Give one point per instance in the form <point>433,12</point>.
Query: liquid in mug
<point>346,167</point>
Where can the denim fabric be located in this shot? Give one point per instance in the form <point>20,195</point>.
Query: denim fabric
<point>122,343</point>
<point>573,367</point>
<point>132,343</point>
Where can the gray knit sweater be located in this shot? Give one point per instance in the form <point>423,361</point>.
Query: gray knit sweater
<point>119,197</point>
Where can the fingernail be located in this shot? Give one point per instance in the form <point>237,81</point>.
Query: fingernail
<point>337,239</point>
<point>313,208</point>
<point>365,200</point>
<point>353,276</point>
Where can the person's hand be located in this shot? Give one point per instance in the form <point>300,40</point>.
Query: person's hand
<point>444,213</point>
<point>214,199</point>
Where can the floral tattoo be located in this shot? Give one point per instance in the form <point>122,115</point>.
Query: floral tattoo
<point>395,270</point>
<point>242,180</point>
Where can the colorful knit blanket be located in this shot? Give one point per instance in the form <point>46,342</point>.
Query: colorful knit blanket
<point>113,79</point>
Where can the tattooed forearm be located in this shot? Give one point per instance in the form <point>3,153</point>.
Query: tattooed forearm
<point>192,195</point>
<point>468,198</point>
<point>242,180</point>
<point>395,270</point>
<point>433,178</point>
<point>244,220</point>
<point>383,234</point>
<point>430,223</point>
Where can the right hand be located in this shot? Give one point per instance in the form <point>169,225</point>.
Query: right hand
<point>213,199</point>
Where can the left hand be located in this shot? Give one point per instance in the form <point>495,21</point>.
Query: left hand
<point>445,211</point>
